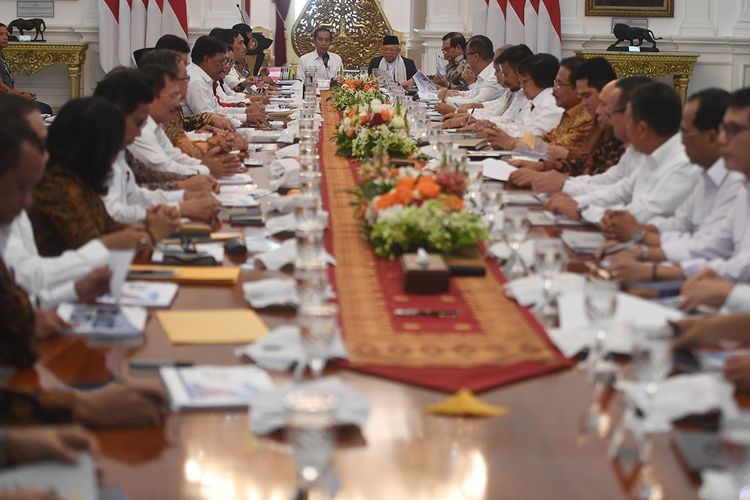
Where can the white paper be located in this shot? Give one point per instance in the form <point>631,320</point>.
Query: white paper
<point>529,289</point>
<point>441,64</point>
<point>237,200</point>
<point>214,386</point>
<point>520,198</point>
<point>260,136</point>
<point>498,170</point>
<point>103,320</point>
<point>144,294</point>
<point>236,179</point>
<point>583,241</point>
<point>68,481</point>
<point>502,251</point>
<point>119,263</point>
<point>291,151</point>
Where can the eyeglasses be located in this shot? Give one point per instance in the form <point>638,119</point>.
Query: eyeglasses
<point>613,112</point>
<point>732,129</point>
<point>559,84</point>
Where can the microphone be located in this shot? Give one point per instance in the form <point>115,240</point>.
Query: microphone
<point>242,15</point>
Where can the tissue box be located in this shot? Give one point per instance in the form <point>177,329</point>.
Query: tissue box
<point>432,278</point>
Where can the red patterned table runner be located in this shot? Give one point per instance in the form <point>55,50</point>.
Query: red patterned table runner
<point>492,341</point>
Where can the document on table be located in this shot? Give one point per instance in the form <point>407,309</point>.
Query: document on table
<point>144,294</point>
<point>103,321</point>
<point>196,275</point>
<point>427,89</point>
<point>214,386</point>
<point>498,170</point>
<point>215,326</point>
<point>441,65</point>
<point>584,242</point>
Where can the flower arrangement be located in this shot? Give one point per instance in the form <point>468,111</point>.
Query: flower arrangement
<point>408,208</point>
<point>365,127</point>
<point>355,92</point>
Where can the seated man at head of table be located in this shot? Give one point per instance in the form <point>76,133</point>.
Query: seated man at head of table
<point>612,161</point>
<point>540,114</point>
<point>399,69</point>
<point>665,176</point>
<point>472,116</point>
<point>8,85</point>
<point>701,226</point>
<point>209,56</point>
<point>214,153</point>
<point>724,232</point>
<point>126,202</point>
<point>22,159</point>
<point>479,55</point>
<point>326,64</point>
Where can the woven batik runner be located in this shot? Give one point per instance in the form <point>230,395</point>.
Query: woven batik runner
<point>491,342</point>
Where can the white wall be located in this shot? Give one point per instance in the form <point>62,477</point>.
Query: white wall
<point>719,30</point>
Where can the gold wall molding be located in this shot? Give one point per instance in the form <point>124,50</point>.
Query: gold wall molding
<point>652,64</point>
<point>358,28</point>
<point>25,58</point>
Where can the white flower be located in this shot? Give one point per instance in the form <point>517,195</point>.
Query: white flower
<point>376,102</point>
<point>391,214</point>
<point>397,122</point>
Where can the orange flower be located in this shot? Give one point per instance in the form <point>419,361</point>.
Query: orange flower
<point>403,194</point>
<point>407,182</point>
<point>385,201</point>
<point>367,87</point>
<point>427,187</point>
<point>386,115</point>
<point>453,203</point>
<point>357,83</point>
<point>350,133</point>
<point>394,173</point>
<point>352,112</point>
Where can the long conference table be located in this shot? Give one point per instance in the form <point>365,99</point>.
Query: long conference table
<point>533,452</point>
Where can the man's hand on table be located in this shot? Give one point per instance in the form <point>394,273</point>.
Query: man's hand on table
<point>523,177</point>
<point>48,324</point>
<point>444,108</point>
<point>120,405</point>
<point>197,184</point>
<point>564,205</point>
<point>204,209</point>
<point>627,270</point>
<point>221,164</point>
<point>34,444</point>
<point>221,122</point>
<point>550,182</point>
<point>456,120</point>
<point>162,221</point>
<point>705,289</point>
<point>93,285</point>
<point>619,225</point>
<point>632,253</point>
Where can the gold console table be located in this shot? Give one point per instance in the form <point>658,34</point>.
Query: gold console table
<point>653,64</point>
<point>25,58</point>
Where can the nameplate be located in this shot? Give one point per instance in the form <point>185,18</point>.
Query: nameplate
<point>35,8</point>
<point>634,49</point>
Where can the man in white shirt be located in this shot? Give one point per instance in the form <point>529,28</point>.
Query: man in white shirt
<point>701,226</point>
<point>665,176</point>
<point>326,64</point>
<point>230,89</point>
<point>479,55</point>
<point>540,114</point>
<point>509,104</point>
<point>209,56</point>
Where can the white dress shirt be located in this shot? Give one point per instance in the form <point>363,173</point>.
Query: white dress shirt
<point>737,267</point>
<point>233,78</point>
<point>537,117</point>
<point>583,184</point>
<point>701,225</point>
<point>157,152</point>
<point>738,300</point>
<point>657,187</point>
<point>127,202</point>
<point>485,89</point>
<point>50,279</point>
<point>201,99</point>
<point>501,111</point>
<point>323,72</point>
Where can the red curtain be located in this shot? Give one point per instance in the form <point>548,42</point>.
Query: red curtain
<point>279,42</point>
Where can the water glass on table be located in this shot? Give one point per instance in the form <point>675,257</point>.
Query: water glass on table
<point>311,434</point>
<point>311,277</point>
<point>600,304</point>
<point>516,227</point>
<point>306,211</point>
<point>318,324</point>
<point>475,180</point>
<point>550,259</point>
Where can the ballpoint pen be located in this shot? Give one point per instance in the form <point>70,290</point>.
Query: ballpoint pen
<point>433,313</point>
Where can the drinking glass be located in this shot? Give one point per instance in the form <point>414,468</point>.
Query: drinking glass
<point>516,227</point>
<point>475,179</point>
<point>549,261</point>
<point>318,323</point>
<point>734,442</point>
<point>306,215</point>
<point>310,432</point>
<point>312,282</point>
<point>652,361</point>
<point>310,181</point>
<point>434,129</point>
<point>600,304</point>
<point>492,201</point>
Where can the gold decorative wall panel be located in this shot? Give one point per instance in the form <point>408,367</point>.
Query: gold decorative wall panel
<point>652,64</point>
<point>358,28</point>
<point>25,58</point>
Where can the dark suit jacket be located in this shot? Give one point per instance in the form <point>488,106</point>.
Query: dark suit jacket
<point>411,68</point>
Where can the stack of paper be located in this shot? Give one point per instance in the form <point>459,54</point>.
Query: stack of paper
<point>214,386</point>
<point>215,326</point>
<point>583,242</point>
<point>144,294</point>
<point>104,322</point>
<point>68,481</point>
<point>498,170</point>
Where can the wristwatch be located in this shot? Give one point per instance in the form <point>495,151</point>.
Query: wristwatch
<point>638,236</point>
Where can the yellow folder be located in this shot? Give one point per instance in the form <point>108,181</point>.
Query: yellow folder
<point>196,275</point>
<point>215,326</point>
